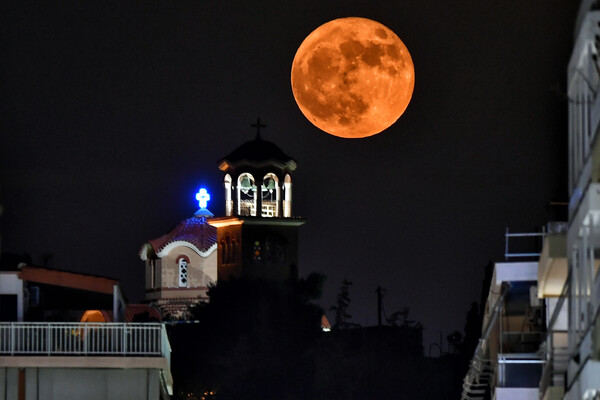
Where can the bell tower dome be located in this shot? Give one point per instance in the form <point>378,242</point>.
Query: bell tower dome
<point>258,180</point>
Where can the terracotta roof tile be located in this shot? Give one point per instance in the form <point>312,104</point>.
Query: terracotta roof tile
<point>195,230</point>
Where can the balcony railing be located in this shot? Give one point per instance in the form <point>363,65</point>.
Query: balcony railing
<point>519,370</point>
<point>82,339</point>
<point>557,354</point>
<point>536,241</point>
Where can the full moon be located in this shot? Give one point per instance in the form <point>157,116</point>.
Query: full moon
<point>352,77</point>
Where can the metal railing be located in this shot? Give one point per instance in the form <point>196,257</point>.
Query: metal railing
<point>520,370</point>
<point>557,357</point>
<point>81,339</point>
<point>482,370</point>
<point>538,238</point>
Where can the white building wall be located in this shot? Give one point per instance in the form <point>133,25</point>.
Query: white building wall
<point>516,394</point>
<point>81,383</point>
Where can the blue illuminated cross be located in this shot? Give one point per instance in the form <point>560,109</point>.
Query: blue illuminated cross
<point>203,197</point>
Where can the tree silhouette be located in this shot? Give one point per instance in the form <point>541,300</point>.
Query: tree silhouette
<point>454,342</point>
<point>472,330</point>
<point>342,317</point>
<point>393,319</point>
<point>254,340</point>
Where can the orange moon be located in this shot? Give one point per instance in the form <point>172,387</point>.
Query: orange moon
<point>352,77</point>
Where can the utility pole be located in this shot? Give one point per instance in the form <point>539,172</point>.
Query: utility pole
<point>379,304</point>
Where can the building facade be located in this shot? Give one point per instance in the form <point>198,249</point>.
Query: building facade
<point>507,363</point>
<point>566,280</point>
<point>52,361</point>
<point>576,349</point>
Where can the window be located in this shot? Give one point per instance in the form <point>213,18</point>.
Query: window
<point>287,197</point>
<point>270,196</point>
<point>256,252</point>
<point>152,274</point>
<point>228,200</point>
<point>183,272</point>
<point>246,194</point>
<point>228,250</point>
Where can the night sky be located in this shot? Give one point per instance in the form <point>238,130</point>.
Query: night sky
<point>115,114</point>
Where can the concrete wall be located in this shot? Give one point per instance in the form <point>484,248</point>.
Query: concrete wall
<point>81,383</point>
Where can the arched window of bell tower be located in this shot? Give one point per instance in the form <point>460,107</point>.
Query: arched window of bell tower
<point>287,196</point>
<point>228,199</point>
<point>270,196</point>
<point>246,195</point>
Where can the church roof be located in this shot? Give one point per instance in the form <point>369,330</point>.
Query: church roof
<point>257,153</point>
<point>196,231</point>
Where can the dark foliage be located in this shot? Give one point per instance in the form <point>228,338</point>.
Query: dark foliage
<point>262,340</point>
<point>144,317</point>
<point>341,306</point>
<point>254,340</point>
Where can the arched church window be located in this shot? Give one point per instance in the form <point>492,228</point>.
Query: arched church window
<point>233,250</point>
<point>287,196</point>
<point>223,252</point>
<point>228,199</point>
<point>246,194</point>
<point>228,250</point>
<point>152,273</point>
<point>270,196</point>
<point>183,271</point>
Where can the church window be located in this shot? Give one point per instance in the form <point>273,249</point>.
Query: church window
<point>233,250</point>
<point>183,272</point>
<point>223,252</point>
<point>287,196</point>
<point>152,273</point>
<point>228,200</point>
<point>270,196</point>
<point>228,249</point>
<point>257,256</point>
<point>246,194</point>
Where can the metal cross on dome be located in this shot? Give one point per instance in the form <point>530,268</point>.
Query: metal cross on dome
<point>203,197</point>
<point>258,125</point>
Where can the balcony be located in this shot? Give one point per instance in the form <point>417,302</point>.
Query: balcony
<point>584,211</point>
<point>556,347</point>
<point>518,377</point>
<point>553,267</point>
<point>87,345</point>
<point>81,339</point>
<point>519,370</point>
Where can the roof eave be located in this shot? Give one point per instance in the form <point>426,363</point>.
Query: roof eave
<point>226,165</point>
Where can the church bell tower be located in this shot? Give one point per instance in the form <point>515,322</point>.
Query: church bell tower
<point>258,237</point>
<point>258,179</point>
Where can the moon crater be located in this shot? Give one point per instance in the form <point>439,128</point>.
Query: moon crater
<point>352,77</point>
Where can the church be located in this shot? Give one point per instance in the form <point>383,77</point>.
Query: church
<point>257,238</point>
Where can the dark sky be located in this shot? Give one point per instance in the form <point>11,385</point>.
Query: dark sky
<point>114,114</point>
